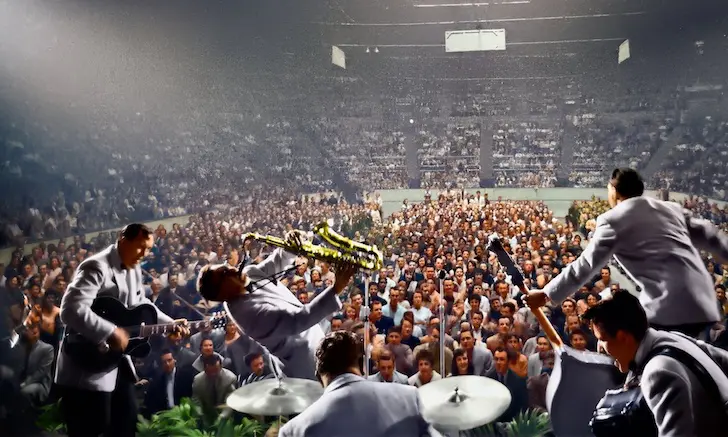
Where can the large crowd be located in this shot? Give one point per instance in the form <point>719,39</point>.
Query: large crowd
<point>488,329</point>
<point>139,166</point>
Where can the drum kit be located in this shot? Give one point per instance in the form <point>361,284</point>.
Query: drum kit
<point>451,405</point>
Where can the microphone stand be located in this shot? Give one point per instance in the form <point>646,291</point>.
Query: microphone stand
<point>442,323</point>
<point>367,352</point>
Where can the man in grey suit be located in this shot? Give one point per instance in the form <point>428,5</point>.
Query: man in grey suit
<point>657,243</point>
<point>478,355</point>
<point>212,386</point>
<point>535,362</point>
<point>269,313</point>
<point>680,403</point>
<point>351,406</point>
<point>88,398</point>
<point>29,383</point>
<point>387,371</point>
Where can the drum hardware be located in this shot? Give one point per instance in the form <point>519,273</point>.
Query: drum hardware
<point>461,403</point>
<point>275,397</point>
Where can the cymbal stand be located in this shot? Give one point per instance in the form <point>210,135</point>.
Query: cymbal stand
<point>366,340</point>
<point>441,315</point>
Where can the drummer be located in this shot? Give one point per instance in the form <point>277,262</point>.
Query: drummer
<point>382,410</point>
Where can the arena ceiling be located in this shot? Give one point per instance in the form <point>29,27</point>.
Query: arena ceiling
<point>171,53</point>
<point>544,37</point>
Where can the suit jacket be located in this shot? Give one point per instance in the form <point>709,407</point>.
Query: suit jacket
<point>397,378</point>
<point>275,318</point>
<point>482,360</point>
<point>40,362</point>
<point>519,394</point>
<point>156,400</point>
<point>534,365</point>
<point>657,244</point>
<point>386,410</point>
<point>99,275</point>
<point>225,384</point>
<point>678,400</point>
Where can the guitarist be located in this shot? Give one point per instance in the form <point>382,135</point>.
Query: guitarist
<point>105,403</point>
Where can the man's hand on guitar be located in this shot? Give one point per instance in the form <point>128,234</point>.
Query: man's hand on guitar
<point>181,327</point>
<point>535,299</point>
<point>119,340</point>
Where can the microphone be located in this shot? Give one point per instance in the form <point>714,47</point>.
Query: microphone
<point>442,275</point>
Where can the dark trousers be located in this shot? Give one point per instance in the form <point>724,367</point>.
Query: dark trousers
<point>93,413</point>
<point>694,330</point>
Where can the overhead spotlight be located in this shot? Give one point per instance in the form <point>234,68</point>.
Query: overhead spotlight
<point>368,51</point>
<point>376,49</point>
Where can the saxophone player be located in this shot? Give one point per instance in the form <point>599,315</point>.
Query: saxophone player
<point>269,313</point>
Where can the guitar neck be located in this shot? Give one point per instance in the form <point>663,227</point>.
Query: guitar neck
<point>168,328</point>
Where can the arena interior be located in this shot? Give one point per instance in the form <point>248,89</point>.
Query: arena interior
<point>211,119</point>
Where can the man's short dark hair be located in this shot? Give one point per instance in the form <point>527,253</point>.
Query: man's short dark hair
<point>165,351</point>
<point>510,305</point>
<point>135,230</point>
<point>208,282</point>
<point>252,357</point>
<point>627,182</point>
<point>424,355</point>
<point>338,352</point>
<point>395,329</point>
<point>623,312</point>
<point>211,360</point>
<point>385,355</point>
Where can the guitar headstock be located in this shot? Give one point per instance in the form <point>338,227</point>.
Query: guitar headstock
<point>504,258</point>
<point>217,320</point>
<point>494,244</point>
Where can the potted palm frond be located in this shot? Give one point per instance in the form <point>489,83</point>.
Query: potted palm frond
<point>530,423</point>
<point>184,420</point>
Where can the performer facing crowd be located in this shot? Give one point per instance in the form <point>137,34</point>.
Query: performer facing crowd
<point>657,243</point>
<point>269,313</point>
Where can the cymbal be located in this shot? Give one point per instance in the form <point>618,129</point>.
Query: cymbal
<point>460,403</point>
<point>273,397</point>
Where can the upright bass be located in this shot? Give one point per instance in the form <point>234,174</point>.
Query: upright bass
<point>579,379</point>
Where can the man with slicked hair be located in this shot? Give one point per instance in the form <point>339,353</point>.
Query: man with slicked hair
<point>351,405</point>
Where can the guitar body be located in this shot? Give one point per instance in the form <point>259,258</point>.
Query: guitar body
<point>96,358</point>
<point>577,384</point>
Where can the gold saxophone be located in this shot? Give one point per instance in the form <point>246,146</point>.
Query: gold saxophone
<point>343,250</point>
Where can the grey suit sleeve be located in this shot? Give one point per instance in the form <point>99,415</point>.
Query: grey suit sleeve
<point>76,303</point>
<point>666,387</point>
<point>488,364</point>
<point>276,322</point>
<point>706,236</point>
<point>595,256</point>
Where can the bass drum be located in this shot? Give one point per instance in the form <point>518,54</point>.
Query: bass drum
<point>577,384</point>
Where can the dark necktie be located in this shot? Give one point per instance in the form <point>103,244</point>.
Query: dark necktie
<point>213,390</point>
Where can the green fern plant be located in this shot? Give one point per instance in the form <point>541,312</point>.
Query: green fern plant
<point>51,418</point>
<point>530,423</point>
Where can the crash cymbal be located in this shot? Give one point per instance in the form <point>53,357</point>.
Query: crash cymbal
<point>272,397</point>
<point>460,403</point>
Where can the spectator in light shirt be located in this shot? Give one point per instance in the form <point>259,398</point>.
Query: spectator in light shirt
<point>421,313</point>
<point>394,309</point>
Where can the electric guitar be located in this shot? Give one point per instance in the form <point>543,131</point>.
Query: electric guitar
<point>140,322</point>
